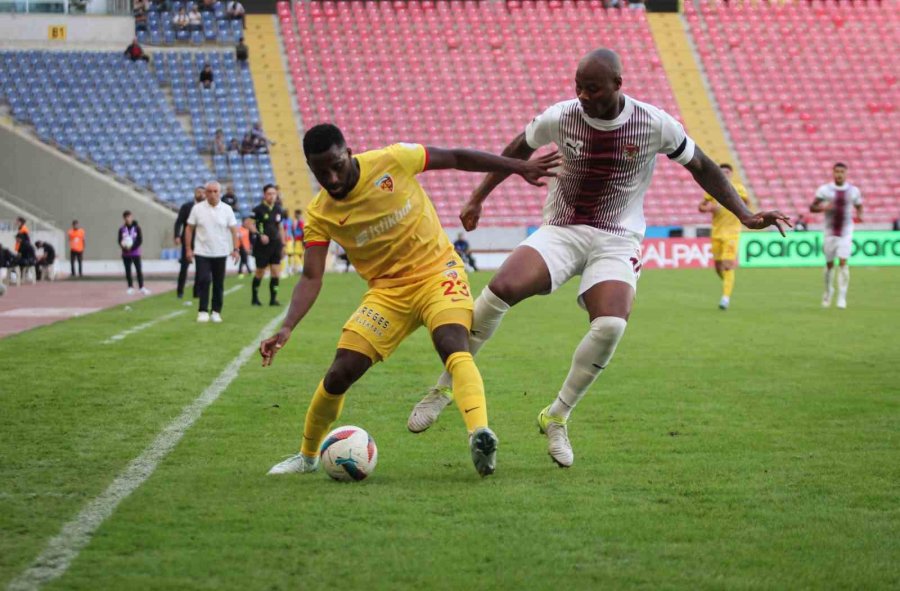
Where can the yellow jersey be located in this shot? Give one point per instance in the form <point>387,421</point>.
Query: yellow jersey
<point>386,224</point>
<point>725,224</point>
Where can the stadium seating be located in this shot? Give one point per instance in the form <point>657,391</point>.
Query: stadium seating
<point>793,109</point>
<point>215,27</point>
<point>467,74</point>
<point>114,113</point>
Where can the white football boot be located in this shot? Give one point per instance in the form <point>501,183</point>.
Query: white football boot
<point>557,431</point>
<point>427,410</point>
<point>298,464</point>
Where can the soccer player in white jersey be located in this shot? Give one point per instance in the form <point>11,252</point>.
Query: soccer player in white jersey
<point>837,200</point>
<point>593,226</point>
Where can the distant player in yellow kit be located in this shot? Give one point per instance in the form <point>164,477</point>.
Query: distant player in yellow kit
<point>726,233</point>
<point>373,206</point>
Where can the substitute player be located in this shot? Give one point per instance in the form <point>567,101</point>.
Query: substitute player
<point>726,232</point>
<point>837,200</point>
<point>268,247</point>
<point>593,226</point>
<point>373,206</point>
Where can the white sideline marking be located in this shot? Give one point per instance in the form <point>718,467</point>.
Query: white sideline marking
<point>46,312</point>
<point>231,290</point>
<point>130,331</point>
<point>61,550</point>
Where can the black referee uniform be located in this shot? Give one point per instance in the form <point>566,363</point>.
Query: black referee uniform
<point>268,222</point>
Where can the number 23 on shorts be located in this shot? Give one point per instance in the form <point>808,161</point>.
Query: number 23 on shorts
<point>456,287</point>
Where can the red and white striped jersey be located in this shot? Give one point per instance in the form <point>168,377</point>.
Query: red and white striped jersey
<point>839,219</point>
<point>606,165</point>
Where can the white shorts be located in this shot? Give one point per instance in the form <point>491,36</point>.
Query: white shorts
<point>583,250</point>
<point>837,247</point>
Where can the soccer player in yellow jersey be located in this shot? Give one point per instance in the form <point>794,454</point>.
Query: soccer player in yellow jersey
<point>373,206</point>
<point>726,232</point>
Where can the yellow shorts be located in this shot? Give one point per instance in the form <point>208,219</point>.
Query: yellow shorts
<point>725,249</point>
<point>386,316</point>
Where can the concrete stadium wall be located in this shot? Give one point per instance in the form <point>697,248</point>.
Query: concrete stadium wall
<point>68,189</point>
<point>80,29</point>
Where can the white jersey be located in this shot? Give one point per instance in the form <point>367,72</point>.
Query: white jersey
<point>606,165</point>
<point>839,219</point>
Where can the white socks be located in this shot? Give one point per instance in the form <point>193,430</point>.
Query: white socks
<point>489,311</point>
<point>593,353</point>
<point>829,282</point>
<point>843,282</point>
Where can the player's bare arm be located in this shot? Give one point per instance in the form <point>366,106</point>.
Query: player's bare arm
<point>302,299</point>
<point>707,206</point>
<point>710,177</point>
<point>820,205</point>
<point>859,213</point>
<point>477,161</point>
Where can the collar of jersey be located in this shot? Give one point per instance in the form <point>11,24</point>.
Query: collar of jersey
<point>607,124</point>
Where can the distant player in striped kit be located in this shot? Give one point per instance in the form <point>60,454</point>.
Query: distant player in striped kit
<point>837,200</point>
<point>593,226</point>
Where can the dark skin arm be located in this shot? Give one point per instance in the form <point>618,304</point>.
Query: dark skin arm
<point>302,299</point>
<point>477,161</point>
<point>711,178</point>
<point>518,149</point>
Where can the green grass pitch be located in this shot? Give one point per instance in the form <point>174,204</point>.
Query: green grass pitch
<point>757,448</point>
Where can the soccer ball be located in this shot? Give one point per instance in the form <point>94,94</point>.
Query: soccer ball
<point>349,453</point>
<point>127,243</point>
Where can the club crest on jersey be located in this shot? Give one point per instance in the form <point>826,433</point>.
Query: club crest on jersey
<point>451,274</point>
<point>385,182</point>
<point>574,147</point>
<point>631,150</point>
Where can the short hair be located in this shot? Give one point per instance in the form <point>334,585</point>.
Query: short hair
<point>267,187</point>
<point>201,187</point>
<point>726,165</point>
<point>126,213</point>
<point>839,165</point>
<point>39,243</point>
<point>20,219</point>
<point>74,221</point>
<point>216,183</point>
<point>298,212</point>
<point>321,138</point>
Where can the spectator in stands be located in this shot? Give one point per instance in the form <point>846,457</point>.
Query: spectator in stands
<point>247,146</point>
<point>801,224</point>
<point>135,52</point>
<point>219,147</point>
<point>234,11</point>
<point>206,76</point>
<point>44,264</point>
<point>261,143</point>
<point>195,19</point>
<point>636,4</point>
<point>462,248</point>
<point>208,5</point>
<point>180,21</point>
<point>241,52</point>
<point>76,247</point>
<point>130,238</point>
<point>140,16</point>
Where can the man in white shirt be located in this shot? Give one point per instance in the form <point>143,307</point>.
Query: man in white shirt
<point>212,229</point>
<point>837,201</point>
<point>593,226</point>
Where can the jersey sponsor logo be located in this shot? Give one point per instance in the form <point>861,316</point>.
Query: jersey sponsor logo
<point>574,147</point>
<point>385,182</point>
<point>383,225</point>
<point>631,151</point>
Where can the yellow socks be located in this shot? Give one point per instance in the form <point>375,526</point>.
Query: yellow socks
<point>468,390</point>
<point>323,411</point>
<point>727,282</point>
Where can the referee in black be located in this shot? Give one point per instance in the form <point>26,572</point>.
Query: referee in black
<point>180,224</point>
<point>268,243</point>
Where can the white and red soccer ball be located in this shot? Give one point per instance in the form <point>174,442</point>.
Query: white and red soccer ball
<point>348,454</point>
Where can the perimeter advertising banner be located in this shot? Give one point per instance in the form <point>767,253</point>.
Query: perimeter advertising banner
<point>804,249</point>
<point>677,253</point>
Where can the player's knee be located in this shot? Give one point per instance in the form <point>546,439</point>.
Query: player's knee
<point>505,289</point>
<point>450,339</point>
<point>608,330</point>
